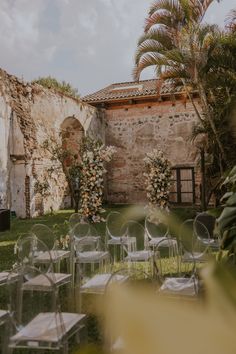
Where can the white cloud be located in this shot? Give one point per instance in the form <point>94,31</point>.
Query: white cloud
<point>88,43</point>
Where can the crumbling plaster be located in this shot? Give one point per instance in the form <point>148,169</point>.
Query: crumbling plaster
<point>28,115</point>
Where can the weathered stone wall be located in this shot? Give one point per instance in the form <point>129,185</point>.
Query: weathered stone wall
<point>135,130</point>
<point>5,120</point>
<point>29,114</point>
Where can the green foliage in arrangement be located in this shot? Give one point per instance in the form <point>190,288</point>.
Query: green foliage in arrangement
<point>52,83</point>
<point>94,156</point>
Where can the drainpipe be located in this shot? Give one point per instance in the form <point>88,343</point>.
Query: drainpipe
<point>203,179</point>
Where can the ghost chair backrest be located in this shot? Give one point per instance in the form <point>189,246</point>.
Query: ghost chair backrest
<point>191,240</point>
<point>20,242</point>
<point>167,260</point>
<point>86,244</point>
<point>155,229</point>
<point>45,234</point>
<point>31,305</point>
<point>208,221</point>
<point>29,248</point>
<point>74,219</point>
<point>93,232</point>
<point>201,230</point>
<point>135,230</point>
<point>187,236</point>
<point>80,230</point>
<point>114,223</point>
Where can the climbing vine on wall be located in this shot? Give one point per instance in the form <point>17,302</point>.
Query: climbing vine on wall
<point>84,171</point>
<point>42,187</point>
<point>157,179</point>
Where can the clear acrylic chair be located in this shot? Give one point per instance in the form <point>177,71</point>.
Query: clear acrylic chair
<point>75,219</point>
<point>4,314</point>
<point>4,319</point>
<point>46,235</point>
<point>29,249</point>
<point>192,247</point>
<point>41,325</point>
<point>89,253</point>
<point>210,239</point>
<point>116,234</point>
<point>142,253</point>
<point>158,231</point>
<point>79,230</point>
<point>174,280</point>
<point>4,277</point>
<point>76,232</point>
<point>89,250</point>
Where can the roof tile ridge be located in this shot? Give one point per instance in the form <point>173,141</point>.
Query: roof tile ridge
<point>134,82</point>
<point>96,92</point>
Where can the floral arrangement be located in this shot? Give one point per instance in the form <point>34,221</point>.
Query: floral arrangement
<point>92,184</point>
<point>63,242</point>
<point>158,179</point>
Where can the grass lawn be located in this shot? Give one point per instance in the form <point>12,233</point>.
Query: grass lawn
<point>58,222</point>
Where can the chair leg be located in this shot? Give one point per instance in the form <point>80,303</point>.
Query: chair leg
<point>65,348</point>
<point>58,266</point>
<point>8,350</point>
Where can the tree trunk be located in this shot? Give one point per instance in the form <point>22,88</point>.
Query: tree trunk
<point>203,180</point>
<point>76,206</point>
<point>209,117</point>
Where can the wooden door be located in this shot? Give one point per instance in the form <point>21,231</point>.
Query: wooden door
<point>182,186</point>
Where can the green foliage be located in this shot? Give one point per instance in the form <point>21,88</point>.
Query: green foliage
<point>52,83</point>
<point>196,57</point>
<point>226,222</point>
<point>69,163</point>
<point>42,187</point>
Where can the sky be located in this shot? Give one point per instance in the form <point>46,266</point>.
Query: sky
<point>89,43</point>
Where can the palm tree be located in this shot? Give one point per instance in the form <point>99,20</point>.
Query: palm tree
<point>231,21</point>
<point>179,48</point>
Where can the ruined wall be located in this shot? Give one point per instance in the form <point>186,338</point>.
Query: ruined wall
<point>28,115</point>
<point>5,119</point>
<point>136,130</point>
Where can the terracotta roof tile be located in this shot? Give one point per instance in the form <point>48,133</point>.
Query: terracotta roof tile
<point>129,90</point>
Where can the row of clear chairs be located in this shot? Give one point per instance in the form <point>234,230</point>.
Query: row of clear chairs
<point>37,322</point>
<point>140,244</point>
<point>151,243</point>
<point>137,243</point>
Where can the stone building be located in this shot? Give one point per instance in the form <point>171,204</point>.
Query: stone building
<point>134,117</point>
<point>28,115</point>
<point>141,116</point>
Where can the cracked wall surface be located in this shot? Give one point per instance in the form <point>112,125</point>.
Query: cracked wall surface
<point>28,115</point>
<point>136,129</point>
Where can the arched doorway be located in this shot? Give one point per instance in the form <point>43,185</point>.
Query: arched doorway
<point>72,134</point>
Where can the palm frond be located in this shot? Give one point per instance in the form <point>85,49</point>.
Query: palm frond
<point>169,5</point>
<point>147,60</point>
<point>231,20</point>
<point>160,18</point>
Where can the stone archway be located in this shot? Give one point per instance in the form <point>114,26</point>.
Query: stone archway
<point>72,134</point>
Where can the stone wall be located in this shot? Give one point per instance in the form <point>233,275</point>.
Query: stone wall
<point>28,115</point>
<point>136,129</point>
